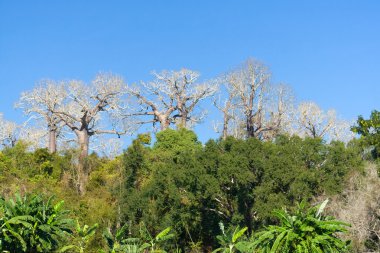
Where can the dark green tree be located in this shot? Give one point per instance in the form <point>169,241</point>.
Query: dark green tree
<point>369,129</point>
<point>181,184</point>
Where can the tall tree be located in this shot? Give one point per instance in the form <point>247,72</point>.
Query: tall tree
<point>82,110</point>
<point>249,84</point>
<point>228,108</point>
<point>156,101</point>
<point>9,132</point>
<point>172,97</point>
<point>253,103</point>
<point>41,103</point>
<point>278,111</point>
<point>311,121</point>
<point>188,93</point>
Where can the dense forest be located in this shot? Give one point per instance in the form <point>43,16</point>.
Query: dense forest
<point>282,177</point>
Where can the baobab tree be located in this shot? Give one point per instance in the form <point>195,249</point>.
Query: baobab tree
<point>226,103</point>
<point>249,84</point>
<point>188,93</point>
<point>311,121</point>
<point>41,103</point>
<point>81,112</point>
<point>172,97</point>
<point>227,110</point>
<point>156,101</point>
<point>260,107</point>
<point>278,110</point>
<point>252,106</point>
<point>35,136</point>
<point>9,132</point>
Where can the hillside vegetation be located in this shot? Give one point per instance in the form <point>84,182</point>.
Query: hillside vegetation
<point>282,177</point>
<point>187,190</point>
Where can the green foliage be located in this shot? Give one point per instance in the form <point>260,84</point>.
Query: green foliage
<point>179,183</point>
<point>17,162</point>
<point>80,239</point>
<point>154,242</point>
<point>21,171</point>
<point>116,241</point>
<point>369,129</point>
<point>120,242</point>
<point>135,164</point>
<point>17,157</point>
<point>144,138</point>
<point>150,186</point>
<point>230,241</point>
<point>30,224</point>
<point>176,142</point>
<point>304,231</point>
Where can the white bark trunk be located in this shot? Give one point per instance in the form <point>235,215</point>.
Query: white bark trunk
<point>82,177</point>
<point>52,145</point>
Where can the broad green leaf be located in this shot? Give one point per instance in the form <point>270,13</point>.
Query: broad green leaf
<point>238,234</point>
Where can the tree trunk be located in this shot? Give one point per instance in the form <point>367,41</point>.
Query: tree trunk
<point>52,145</point>
<point>82,173</point>
<point>250,127</point>
<point>184,120</point>
<point>164,122</point>
<point>225,126</point>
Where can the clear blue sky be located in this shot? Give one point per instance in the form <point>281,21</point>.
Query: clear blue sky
<point>328,51</point>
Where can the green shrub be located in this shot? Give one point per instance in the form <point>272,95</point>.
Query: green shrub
<point>307,230</point>
<point>30,224</point>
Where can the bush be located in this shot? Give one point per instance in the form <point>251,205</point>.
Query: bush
<point>30,224</point>
<point>307,230</point>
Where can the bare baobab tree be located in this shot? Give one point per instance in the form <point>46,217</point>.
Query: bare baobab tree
<point>253,103</point>
<point>41,103</point>
<point>9,132</point>
<point>82,110</point>
<point>228,109</point>
<point>188,93</point>
<point>172,97</point>
<point>278,111</point>
<point>249,84</point>
<point>156,101</point>
<point>311,121</point>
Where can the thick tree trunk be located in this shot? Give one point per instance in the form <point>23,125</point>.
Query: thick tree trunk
<point>250,127</point>
<point>184,120</point>
<point>52,145</point>
<point>82,172</point>
<point>164,122</point>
